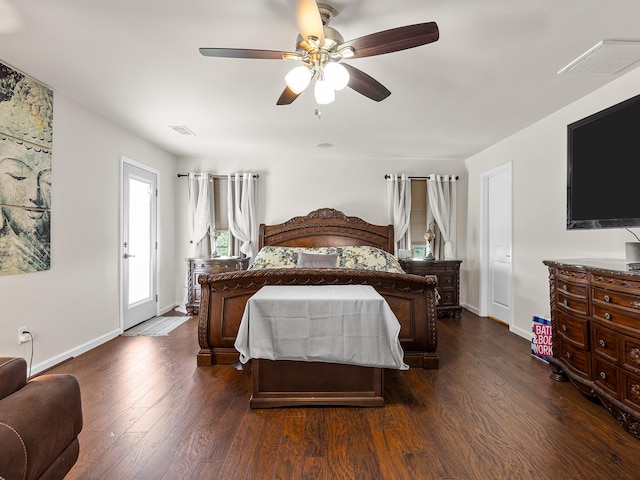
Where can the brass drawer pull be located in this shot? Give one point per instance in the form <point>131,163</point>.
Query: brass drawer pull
<point>603,375</point>
<point>607,316</point>
<point>635,304</point>
<point>602,343</point>
<point>568,355</point>
<point>564,287</point>
<point>607,298</point>
<point>566,304</point>
<point>564,328</point>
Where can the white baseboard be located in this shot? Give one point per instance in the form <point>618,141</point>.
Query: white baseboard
<point>527,334</point>
<point>166,309</point>
<point>74,352</point>
<point>470,308</point>
<point>516,330</point>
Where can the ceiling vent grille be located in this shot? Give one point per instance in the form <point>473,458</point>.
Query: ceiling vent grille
<point>182,130</point>
<point>608,56</point>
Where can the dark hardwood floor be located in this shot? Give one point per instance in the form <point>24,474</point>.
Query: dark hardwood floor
<point>490,412</point>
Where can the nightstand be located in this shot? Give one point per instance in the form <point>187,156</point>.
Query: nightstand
<point>209,266</point>
<point>448,273</point>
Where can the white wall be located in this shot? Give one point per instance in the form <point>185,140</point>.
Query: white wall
<point>75,305</point>
<point>356,187</point>
<point>539,156</point>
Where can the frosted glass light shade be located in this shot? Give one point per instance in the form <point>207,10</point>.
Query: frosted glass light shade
<point>336,75</point>
<point>324,92</point>
<point>298,78</point>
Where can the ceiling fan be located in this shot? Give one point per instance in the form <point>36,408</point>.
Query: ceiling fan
<point>321,49</point>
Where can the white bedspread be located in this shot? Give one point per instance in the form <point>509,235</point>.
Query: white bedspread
<point>349,324</point>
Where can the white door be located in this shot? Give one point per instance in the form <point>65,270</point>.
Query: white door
<point>497,228</point>
<point>139,245</point>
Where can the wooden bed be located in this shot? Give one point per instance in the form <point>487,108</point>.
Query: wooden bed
<point>411,298</point>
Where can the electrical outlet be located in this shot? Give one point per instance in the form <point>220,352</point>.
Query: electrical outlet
<point>22,336</point>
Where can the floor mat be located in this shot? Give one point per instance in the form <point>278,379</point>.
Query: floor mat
<point>155,327</point>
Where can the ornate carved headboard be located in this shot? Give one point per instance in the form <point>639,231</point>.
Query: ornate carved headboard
<point>327,227</point>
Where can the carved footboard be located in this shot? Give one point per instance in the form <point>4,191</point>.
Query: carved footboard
<point>223,298</point>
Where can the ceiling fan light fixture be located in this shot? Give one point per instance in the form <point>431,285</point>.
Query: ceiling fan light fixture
<point>324,92</point>
<point>298,78</point>
<point>336,75</point>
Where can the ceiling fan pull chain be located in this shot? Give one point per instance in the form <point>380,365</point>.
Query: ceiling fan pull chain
<point>318,112</point>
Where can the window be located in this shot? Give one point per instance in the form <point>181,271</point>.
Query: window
<point>418,217</point>
<point>220,197</point>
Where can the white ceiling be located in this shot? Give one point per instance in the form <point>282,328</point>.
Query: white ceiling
<point>136,62</point>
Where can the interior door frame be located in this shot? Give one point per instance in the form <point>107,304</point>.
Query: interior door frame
<point>121,251</point>
<point>484,240</point>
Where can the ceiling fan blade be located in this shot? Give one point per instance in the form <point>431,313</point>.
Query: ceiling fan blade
<point>309,20</point>
<point>393,40</point>
<point>242,53</point>
<point>287,97</point>
<point>365,84</point>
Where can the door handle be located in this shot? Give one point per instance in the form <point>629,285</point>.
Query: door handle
<point>126,255</point>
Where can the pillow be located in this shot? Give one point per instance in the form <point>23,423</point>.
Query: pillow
<point>274,257</point>
<point>369,258</point>
<point>313,260</point>
<point>285,257</point>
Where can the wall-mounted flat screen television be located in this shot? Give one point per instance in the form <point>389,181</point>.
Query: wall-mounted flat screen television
<point>603,174</point>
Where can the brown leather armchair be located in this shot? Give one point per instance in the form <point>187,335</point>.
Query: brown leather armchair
<point>40,421</point>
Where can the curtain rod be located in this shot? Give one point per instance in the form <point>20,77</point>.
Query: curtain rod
<point>418,178</point>
<point>211,175</point>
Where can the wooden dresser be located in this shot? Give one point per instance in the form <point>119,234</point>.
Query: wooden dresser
<point>208,266</point>
<point>448,273</point>
<point>595,317</point>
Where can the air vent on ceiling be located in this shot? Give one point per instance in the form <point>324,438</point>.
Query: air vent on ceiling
<point>182,130</point>
<point>608,56</point>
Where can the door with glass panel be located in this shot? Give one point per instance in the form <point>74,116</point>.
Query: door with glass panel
<point>138,244</point>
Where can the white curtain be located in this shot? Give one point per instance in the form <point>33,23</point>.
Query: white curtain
<point>243,223</point>
<point>442,210</point>
<point>199,214</point>
<point>200,225</point>
<point>399,209</point>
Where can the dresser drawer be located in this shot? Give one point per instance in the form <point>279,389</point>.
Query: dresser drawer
<point>605,376</point>
<point>573,330</point>
<point>572,288</point>
<point>630,391</point>
<point>579,361</point>
<point>605,343</point>
<point>571,304</point>
<point>447,298</point>
<point>446,281</point>
<point>629,302</point>
<point>631,354</point>
<point>615,315</point>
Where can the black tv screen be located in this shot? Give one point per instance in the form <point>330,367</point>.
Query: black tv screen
<point>603,175</point>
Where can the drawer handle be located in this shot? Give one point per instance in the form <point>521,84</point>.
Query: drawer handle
<point>635,304</point>
<point>634,355</point>
<point>564,287</point>
<point>566,304</point>
<point>607,316</point>
<point>568,355</point>
<point>607,298</point>
<point>602,343</point>
<point>603,375</point>
<point>564,328</point>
